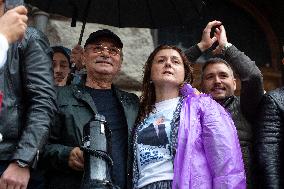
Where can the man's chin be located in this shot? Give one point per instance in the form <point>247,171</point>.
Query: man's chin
<point>218,97</point>
<point>58,80</point>
<point>107,70</point>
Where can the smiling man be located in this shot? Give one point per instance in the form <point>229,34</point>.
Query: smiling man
<point>78,104</point>
<point>218,80</point>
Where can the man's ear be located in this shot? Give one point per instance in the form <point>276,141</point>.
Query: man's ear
<point>119,68</point>
<point>235,84</point>
<point>84,61</point>
<point>83,57</point>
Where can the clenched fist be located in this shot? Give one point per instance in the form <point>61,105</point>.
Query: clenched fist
<point>15,177</point>
<point>76,159</point>
<point>14,23</point>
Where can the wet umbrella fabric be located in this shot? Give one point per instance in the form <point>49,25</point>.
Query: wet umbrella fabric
<point>125,13</point>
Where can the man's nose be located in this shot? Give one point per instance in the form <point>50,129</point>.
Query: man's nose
<point>217,79</point>
<point>105,52</point>
<point>56,69</point>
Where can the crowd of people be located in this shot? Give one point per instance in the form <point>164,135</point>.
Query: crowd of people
<point>173,136</point>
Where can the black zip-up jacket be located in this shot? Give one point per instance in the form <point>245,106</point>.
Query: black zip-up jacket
<point>269,140</point>
<point>29,98</point>
<point>75,109</point>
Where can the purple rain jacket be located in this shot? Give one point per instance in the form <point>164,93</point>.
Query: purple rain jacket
<point>208,151</point>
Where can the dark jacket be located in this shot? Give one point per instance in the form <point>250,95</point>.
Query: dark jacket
<point>244,108</point>
<point>269,140</point>
<point>76,108</point>
<point>29,98</point>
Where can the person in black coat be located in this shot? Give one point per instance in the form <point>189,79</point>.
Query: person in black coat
<point>269,140</point>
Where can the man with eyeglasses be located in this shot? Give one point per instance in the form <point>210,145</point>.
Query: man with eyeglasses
<point>78,104</point>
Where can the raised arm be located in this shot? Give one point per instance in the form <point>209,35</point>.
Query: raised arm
<point>247,71</point>
<point>194,52</point>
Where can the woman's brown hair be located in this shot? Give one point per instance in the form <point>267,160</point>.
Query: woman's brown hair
<point>148,97</point>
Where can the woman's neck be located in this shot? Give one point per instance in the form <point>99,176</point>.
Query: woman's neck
<point>165,93</point>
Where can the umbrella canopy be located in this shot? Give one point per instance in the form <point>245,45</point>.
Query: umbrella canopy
<point>125,13</point>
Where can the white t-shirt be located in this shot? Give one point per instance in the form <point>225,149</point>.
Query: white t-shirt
<point>153,142</point>
<point>4,46</point>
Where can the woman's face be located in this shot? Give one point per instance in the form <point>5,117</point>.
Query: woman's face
<point>167,68</point>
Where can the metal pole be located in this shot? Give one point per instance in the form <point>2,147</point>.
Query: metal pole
<point>84,21</point>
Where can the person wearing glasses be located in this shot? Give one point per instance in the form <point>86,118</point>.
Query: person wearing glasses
<point>78,104</point>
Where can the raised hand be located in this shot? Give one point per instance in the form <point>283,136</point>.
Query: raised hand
<point>206,40</point>
<point>220,34</point>
<point>14,23</point>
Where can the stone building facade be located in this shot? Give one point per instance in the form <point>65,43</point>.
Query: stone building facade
<point>246,23</point>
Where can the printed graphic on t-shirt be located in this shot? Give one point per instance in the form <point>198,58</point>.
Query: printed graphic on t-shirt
<point>153,140</point>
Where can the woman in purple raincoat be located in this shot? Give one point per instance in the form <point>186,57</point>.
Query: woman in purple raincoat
<point>182,140</point>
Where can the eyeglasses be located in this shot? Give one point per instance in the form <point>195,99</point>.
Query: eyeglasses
<point>100,49</point>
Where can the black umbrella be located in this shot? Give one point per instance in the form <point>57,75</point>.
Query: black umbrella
<point>125,13</point>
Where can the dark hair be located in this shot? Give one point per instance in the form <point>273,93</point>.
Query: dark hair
<point>63,50</point>
<point>148,96</point>
<point>215,61</point>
